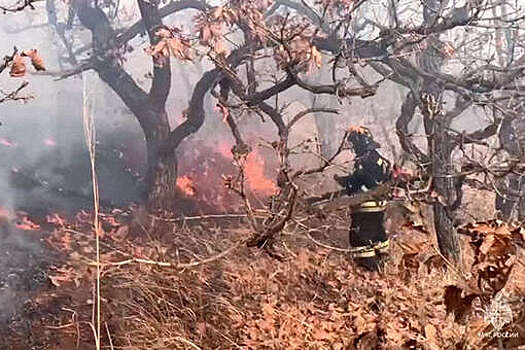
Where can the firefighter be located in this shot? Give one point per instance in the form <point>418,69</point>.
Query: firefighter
<point>368,239</point>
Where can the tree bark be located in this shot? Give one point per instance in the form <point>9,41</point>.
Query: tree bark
<point>148,107</point>
<point>510,200</point>
<point>446,185</point>
<point>440,144</point>
<point>161,192</point>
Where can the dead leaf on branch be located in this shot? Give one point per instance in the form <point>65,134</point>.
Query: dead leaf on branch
<point>316,57</point>
<point>224,14</point>
<point>36,60</point>
<point>298,52</point>
<point>18,67</point>
<point>172,43</point>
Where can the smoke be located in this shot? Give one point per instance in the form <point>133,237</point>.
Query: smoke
<point>44,165</point>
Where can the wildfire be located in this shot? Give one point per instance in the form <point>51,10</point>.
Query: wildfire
<point>6,142</point>
<point>186,185</point>
<point>50,142</point>
<point>224,149</point>
<point>24,223</point>
<point>257,181</point>
<point>254,170</point>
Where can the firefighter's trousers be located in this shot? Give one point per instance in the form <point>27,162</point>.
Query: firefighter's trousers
<point>368,239</point>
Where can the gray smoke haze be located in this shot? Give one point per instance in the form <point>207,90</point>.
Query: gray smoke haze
<point>47,164</point>
<point>43,157</point>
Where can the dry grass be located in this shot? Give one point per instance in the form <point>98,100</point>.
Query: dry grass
<point>315,299</point>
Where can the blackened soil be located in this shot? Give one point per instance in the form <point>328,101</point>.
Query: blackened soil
<point>24,264</point>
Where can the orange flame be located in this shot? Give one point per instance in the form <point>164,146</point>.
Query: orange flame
<point>50,142</point>
<point>254,170</point>
<point>27,225</point>
<point>6,142</point>
<point>257,181</point>
<point>185,184</point>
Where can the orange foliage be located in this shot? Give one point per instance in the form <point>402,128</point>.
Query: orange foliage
<point>18,67</point>
<point>223,110</point>
<point>171,44</point>
<point>36,60</point>
<point>55,219</point>
<point>358,129</point>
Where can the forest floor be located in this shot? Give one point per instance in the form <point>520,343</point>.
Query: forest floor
<point>158,291</point>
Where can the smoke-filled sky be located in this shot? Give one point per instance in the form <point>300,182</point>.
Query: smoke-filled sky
<point>44,139</point>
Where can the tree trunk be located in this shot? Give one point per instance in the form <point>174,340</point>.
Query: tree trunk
<point>161,178</point>
<point>440,144</point>
<point>326,129</point>
<point>446,186</point>
<point>510,202</point>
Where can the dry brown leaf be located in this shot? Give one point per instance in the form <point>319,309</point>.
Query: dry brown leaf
<point>205,34</point>
<point>487,244</point>
<point>220,48</point>
<point>18,67</point>
<point>317,58</point>
<point>163,33</point>
<point>216,12</point>
<point>120,234</point>
<point>171,43</point>
<point>431,335</point>
<point>393,333</point>
<point>320,333</point>
<point>36,60</point>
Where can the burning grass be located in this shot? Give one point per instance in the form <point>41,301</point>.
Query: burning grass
<point>204,168</point>
<point>162,293</point>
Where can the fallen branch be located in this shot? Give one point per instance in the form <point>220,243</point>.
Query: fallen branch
<point>177,266</point>
<point>13,95</point>
<point>201,217</point>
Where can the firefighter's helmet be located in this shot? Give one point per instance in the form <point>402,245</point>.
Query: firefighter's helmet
<point>361,139</point>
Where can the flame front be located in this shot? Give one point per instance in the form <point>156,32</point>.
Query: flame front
<point>257,180</point>
<point>50,142</point>
<point>254,170</point>
<point>24,223</point>
<point>6,142</point>
<point>186,185</point>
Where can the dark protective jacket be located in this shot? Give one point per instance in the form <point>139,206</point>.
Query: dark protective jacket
<point>370,169</point>
<point>367,234</point>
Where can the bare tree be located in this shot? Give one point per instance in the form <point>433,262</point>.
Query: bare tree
<point>109,45</point>
<point>437,50</point>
